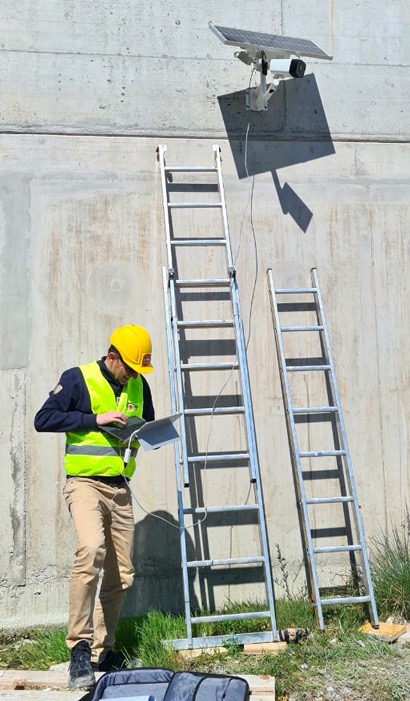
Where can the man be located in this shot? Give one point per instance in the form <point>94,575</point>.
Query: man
<point>86,399</point>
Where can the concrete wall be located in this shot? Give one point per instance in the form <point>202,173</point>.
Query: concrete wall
<point>88,90</point>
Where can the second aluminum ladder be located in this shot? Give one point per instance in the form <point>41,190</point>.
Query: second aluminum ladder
<point>288,305</point>
<point>188,282</point>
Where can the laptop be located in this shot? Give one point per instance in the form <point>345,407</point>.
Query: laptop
<point>150,434</point>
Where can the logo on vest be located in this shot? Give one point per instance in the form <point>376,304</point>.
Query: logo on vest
<point>131,407</point>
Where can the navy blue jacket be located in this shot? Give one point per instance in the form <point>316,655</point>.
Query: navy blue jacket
<point>68,407</point>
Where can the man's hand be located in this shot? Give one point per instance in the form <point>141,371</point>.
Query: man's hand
<point>111,417</point>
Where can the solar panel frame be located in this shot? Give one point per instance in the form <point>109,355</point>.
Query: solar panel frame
<point>274,44</point>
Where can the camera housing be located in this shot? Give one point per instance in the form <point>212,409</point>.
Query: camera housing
<point>287,67</point>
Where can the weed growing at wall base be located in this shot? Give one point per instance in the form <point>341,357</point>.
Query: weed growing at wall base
<point>390,566</point>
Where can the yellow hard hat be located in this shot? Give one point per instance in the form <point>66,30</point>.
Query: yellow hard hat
<point>134,345</point>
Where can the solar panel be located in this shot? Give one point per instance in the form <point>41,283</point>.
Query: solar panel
<point>257,42</point>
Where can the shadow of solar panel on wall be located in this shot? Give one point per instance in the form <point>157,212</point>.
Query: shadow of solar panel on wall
<point>294,130</point>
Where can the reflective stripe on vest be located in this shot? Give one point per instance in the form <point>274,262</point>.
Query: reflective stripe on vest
<point>95,453</point>
<point>97,450</point>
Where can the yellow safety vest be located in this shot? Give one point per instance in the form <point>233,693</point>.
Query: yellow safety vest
<point>95,453</point>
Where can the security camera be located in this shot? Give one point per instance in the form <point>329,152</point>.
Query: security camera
<point>287,67</point>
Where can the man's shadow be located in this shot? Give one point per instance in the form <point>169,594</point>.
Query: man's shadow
<point>293,130</point>
<point>157,561</point>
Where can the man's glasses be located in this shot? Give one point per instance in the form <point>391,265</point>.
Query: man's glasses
<point>128,371</point>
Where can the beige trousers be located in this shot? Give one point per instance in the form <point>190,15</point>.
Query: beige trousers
<point>104,523</point>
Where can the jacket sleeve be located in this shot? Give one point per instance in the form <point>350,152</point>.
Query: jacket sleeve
<point>148,412</point>
<point>68,407</point>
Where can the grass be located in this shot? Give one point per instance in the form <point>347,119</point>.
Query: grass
<point>340,658</point>
<point>33,649</point>
<point>390,565</point>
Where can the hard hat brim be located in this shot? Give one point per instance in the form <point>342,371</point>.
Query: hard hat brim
<point>142,370</point>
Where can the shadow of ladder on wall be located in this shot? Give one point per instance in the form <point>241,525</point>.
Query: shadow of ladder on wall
<point>335,460</point>
<point>200,280</point>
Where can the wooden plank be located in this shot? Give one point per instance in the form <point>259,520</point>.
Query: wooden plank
<point>263,648</point>
<point>262,686</point>
<point>197,652</point>
<point>389,632</point>
<point>22,678</point>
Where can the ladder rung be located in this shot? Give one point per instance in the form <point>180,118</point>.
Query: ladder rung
<point>226,638</point>
<point>295,290</point>
<point>329,500</point>
<point>301,328</point>
<point>198,242</point>
<point>218,458</point>
<point>321,453</point>
<point>305,368</point>
<point>314,410</point>
<point>193,205</point>
<point>203,283</point>
<point>345,600</point>
<point>188,169</point>
<point>231,617</point>
<point>337,549</point>
<point>220,509</point>
<point>216,410</point>
<point>206,323</point>
<point>229,561</point>
<point>209,366</point>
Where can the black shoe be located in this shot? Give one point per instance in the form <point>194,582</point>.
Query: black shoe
<point>111,662</point>
<point>80,671</point>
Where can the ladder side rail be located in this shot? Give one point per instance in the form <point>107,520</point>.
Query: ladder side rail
<point>243,365</point>
<point>245,381</point>
<point>218,165</point>
<point>296,463</point>
<point>253,452</point>
<point>177,459</point>
<point>336,398</point>
<point>170,349</point>
<point>165,199</point>
<point>178,371</point>
<point>350,475</point>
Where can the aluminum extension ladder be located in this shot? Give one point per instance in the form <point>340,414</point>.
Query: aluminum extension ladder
<point>194,462</point>
<point>335,460</point>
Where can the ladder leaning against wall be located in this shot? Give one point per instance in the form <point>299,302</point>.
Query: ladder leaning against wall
<point>218,483</point>
<point>332,517</point>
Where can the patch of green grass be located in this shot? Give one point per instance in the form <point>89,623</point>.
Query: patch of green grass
<point>34,649</point>
<point>294,614</point>
<point>390,567</point>
<point>143,638</point>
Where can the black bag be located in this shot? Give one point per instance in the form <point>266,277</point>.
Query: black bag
<point>192,686</point>
<point>164,685</point>
<point>133,683</point>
